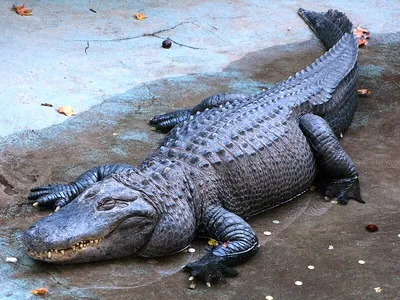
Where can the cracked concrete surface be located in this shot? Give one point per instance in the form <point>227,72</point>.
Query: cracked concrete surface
<point>120,84</point>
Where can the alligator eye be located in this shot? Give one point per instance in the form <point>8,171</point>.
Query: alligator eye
<point>110,203</point>
<point>106,204</point>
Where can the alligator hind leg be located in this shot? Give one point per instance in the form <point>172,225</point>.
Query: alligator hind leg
<point>342,177</point>
<point>61,194</point>
<point>166,122</point>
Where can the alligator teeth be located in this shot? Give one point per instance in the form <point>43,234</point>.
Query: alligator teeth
<point>56,253</point>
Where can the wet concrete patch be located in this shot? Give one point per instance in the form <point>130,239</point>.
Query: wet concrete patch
<point>117,131</point>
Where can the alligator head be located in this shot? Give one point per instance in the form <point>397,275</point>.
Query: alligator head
<point>108,220</point>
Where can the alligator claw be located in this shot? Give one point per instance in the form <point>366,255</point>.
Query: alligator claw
<point>57,195</point>
<point>343,190</point>
<point>209,268</point>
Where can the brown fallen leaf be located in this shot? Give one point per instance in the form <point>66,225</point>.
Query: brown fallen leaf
<point>40,291</point>
<point>22,10</point>
<point>66,110</point>
<point>140,16</point>
<point>364,92</point>
<point>362,35</point>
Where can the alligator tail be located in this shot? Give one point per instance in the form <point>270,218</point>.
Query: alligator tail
<point>329,26</point>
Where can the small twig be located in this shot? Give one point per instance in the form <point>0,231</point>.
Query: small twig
<point>87,47</point>
<point>154,34</point>
<point>92,10</point>
<point>47,104</point>
<point>187,46</point>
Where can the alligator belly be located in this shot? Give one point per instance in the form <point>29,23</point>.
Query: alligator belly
<point>273,175</point>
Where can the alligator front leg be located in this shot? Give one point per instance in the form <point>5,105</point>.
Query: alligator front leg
<point>59,195</point>
<point>238,244</point>
<point>166,122</point>
<point>342,177</point>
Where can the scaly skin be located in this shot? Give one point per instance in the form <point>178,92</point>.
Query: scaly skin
<point>229,158</point>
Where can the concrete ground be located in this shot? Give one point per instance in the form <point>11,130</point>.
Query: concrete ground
<point>112,70</point>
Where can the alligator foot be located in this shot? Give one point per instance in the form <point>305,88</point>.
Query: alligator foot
<point>56,195</point>
<point>344,189</point>
<point>166,122</point>
<point>210,267</point>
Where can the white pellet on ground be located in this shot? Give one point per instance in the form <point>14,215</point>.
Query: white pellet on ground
<point>11,259</point>
<point>361,262</point>
<point>298,283</point>
<point>269,297</point>
<point>275,222</point>
<point>192,250</point>
<point>267,232</point>
<point>311,267</point>
<point>330,247</point>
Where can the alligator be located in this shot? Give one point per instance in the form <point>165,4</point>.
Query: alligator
<point>229,158</point>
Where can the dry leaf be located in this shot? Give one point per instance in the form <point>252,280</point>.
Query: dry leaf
<point>140,16</point>
<point>362,35</point>
<point>41,291</point>
<point>66,110</point>
<point>364,92</point>
<point>22,10</point>
<point>212,242</point>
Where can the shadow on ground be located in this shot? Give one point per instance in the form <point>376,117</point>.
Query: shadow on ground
<point>117,131</point>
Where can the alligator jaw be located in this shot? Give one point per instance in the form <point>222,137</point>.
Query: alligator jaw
<point>64,255</point>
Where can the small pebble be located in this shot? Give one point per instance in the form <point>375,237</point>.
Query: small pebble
<point>372,227</point>
<point>298,283</point>
<point>166,44</point>
<point>269,297</point>
<point>378,289</point>
<point>192,286</point>
<point>361,262</point>
<point>334,202</point>
<point>275,222</point>
<point>192,250</point>
<point>398,235</point>
<point>11,259</point>
<point>114,133</point>
<point>311,267</point>
<point>330,247</point>
<point>267,232</point>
